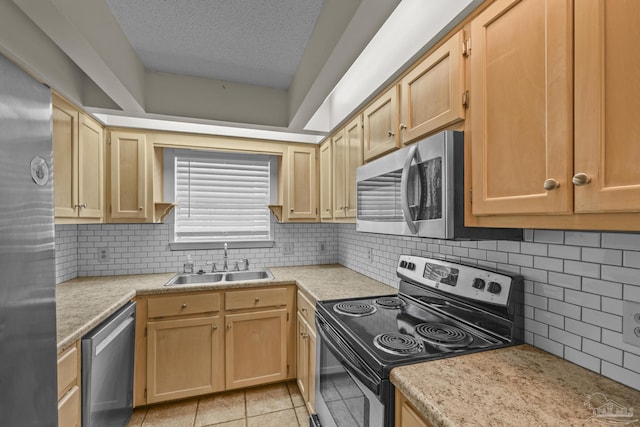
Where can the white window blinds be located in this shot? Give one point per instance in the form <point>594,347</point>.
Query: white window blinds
<point>221,199</point>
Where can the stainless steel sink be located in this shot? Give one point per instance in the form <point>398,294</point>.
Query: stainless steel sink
<point>190,279</point>
<point>233,276</point>
<point>237,276</point>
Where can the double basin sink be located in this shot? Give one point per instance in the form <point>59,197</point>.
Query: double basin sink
<point>230,276</point>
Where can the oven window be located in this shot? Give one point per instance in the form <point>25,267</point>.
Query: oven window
<point>347,405</point>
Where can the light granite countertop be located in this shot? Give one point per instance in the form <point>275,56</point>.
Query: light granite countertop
<point>513,386</point>
<point>84,302</point>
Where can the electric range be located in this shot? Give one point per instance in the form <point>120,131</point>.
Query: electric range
<point>442,309</point>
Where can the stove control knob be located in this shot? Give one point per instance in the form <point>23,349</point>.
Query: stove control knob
<point>478,283</point>
<point>494,287</point>
<point>411,266</point>
<point>403,264</point>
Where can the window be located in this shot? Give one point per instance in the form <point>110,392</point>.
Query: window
<point>222,197</point>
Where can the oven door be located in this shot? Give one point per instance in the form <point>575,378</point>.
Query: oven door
<point>347,390</point>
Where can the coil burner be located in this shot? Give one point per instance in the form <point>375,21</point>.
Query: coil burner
<point>355,309</point>
<point>396,343</point>
<point>389,302</point>
<point>443,335</point>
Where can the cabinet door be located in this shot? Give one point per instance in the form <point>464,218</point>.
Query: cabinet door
<point>340,160</point>
<point>407,415</point>
<point>302,197</point>
<point>521,107</point>
<point>302,357</point>
<point>69,409</point>
<point>184,358</point>
<point>607,101</point>
<point>326,180</point>
<point>65,159</point>
<point>128,175</point>
<point>353,143</point>
<point>381,121</point>
<point>256,348</point>
<point>90,168</point>
<point>431,94</point>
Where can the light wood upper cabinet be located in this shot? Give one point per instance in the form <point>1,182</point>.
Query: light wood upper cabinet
<point>78,147</point>
<point>347,154</point>
<point>607,101</point>
<point>326,180</point>
<point>184,358</point>
<point>381,121</point>
<point>302,183</point>
<point>521,107</point>
<point>432,93</point>
<point>131,191</point>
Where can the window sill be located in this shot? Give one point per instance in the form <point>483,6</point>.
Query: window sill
<point>182,246</point>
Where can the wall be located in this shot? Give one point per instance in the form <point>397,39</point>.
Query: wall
<point>143,248</point>
<point>575,282</point>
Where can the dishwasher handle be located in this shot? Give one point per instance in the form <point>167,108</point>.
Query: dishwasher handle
<point>111,324</point>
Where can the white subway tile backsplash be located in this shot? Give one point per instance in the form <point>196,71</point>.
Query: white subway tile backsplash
<point>585,360</point>
<point>580,238</point>
<point>602,351</point>
<point>548,236</point>
<point>625,376</point>
<point>575,281</point>
<point>583,299</point>
<point>604,320</point>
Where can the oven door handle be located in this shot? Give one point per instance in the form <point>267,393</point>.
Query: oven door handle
<point>404,188</point>
<point>347,357</point>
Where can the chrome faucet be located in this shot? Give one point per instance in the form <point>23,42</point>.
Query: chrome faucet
<point>225,265</point>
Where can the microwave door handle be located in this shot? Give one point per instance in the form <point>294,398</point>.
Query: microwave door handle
<point>404,188</point>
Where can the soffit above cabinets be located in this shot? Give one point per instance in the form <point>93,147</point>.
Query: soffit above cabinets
<point>243,64</point>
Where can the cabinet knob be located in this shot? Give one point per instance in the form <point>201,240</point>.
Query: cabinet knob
<point>140,208</point>
<point>214,327</point>
<point>390,133</point>
<point>257,300</point>
<point>580,179</point>
<point>291,210</point>
<point>84,205</point>
<point>304,310</point>
<point>551,184</point>
<point>228,326</point>
<point>403,126</point>
<point>184,305</point>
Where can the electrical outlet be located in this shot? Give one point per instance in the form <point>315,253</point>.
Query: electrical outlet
<point>102,254</point>
<point>287,249</point>
<point>322,247</point>
<point>631,323</point>
<point>370,254</point>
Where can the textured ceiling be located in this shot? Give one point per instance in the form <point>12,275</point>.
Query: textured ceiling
<point>245,41</point>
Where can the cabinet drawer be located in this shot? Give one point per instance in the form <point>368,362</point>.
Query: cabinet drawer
<point>255,298</point>
<point>306,309</point>
<point>68,369</point>
<point>183,304</point>
<point>69,409</point>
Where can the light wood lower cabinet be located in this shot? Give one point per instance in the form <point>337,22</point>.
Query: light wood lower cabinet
<point>69,382</point>
<point>184,358</point>
<point>306,351</point>
<point>190,344</point>
<point>407,415</point>
<point>256,348</point>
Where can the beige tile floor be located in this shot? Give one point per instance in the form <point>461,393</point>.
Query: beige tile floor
<point>275,405</point>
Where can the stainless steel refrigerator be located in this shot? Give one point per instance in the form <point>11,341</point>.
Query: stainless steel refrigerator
<point>28,390</point>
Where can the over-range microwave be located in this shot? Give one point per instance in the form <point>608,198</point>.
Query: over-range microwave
<point>419,191</point>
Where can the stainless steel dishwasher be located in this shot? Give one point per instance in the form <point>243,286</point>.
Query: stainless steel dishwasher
<point>107,370</point>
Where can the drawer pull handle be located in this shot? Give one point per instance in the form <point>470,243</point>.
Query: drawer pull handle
<point>257,300</point>
<point>184,305</point>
